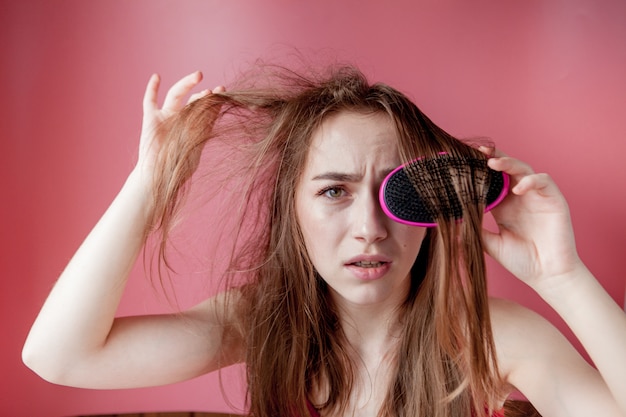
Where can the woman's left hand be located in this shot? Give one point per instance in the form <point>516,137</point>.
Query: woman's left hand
<point>535,240</point>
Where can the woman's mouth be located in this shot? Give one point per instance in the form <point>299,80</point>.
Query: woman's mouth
<point>369,264</point>
<point>369,269</point>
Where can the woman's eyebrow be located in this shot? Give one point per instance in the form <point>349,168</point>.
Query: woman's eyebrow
<point>347,177</point>
<point>337,176</point>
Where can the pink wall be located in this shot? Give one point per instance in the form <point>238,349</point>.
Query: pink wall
<point>544,79</point>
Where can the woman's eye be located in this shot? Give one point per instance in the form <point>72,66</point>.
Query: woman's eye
<point>332,192</point>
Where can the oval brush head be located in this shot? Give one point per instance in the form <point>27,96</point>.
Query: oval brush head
<point>419,192</point>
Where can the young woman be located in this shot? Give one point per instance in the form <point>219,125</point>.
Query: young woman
<point>336,309</point>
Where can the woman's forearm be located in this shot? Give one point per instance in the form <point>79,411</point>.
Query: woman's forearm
<point>79,312</point>
<point>598,322</point>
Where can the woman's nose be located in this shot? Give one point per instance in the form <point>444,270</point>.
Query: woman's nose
<point>369,220</point>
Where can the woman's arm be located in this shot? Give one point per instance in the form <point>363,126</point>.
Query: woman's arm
<point>597,321</point>
<point>536,359</point>
<point>536,243</point>
<point>76,339</point>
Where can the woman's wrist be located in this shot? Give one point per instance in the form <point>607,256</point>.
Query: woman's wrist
<point>139,187</point>
<point>569,290</point>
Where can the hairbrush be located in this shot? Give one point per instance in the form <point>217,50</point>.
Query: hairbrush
<point>428,188</point>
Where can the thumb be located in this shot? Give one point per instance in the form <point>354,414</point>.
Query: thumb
<point>491,242</point>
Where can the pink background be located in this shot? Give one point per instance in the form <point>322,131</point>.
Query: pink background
<point>545,80</point>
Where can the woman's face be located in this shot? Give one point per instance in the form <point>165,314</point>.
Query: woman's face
<point>364,256</point>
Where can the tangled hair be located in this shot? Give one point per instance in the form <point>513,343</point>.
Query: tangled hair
<point>445,365</point>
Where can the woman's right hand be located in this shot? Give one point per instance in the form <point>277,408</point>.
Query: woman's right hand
<point>154,117</point>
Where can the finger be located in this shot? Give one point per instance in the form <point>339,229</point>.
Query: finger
<point>497,153</point>
<point>197,96</point>
<point>491,151</point>
<point>152,90</point>
<point>490,242</point>
<point>541,183</point>
<point>513,167</point>
<point>176,94</point>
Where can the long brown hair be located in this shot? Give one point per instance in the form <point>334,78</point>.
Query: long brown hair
<point>445,365</point>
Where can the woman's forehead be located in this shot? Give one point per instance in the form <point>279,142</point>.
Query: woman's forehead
<point>354,128</point>
<point>351,139</point>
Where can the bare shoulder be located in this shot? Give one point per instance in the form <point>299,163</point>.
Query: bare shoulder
<point>523,338</point>
<point>535,358</point>
<point>220,318</point>
<point>511,322</point>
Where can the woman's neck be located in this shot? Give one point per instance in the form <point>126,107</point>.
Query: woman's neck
<point>371,328</point>
<point>372,341</point>
<point>372,334</point>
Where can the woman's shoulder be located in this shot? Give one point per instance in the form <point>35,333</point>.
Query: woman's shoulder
<point>535,357</point>
<point>522,342</point>
<point>508,318</point>
<point>520,333</point>
<point>221,317</point>
<point>503,310</point>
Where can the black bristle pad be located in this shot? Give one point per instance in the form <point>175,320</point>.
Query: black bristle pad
<point>425,190</point>
<point>403,201</point>
<point>433,180</point>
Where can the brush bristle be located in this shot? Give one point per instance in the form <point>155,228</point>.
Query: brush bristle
<point>427,189</point>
